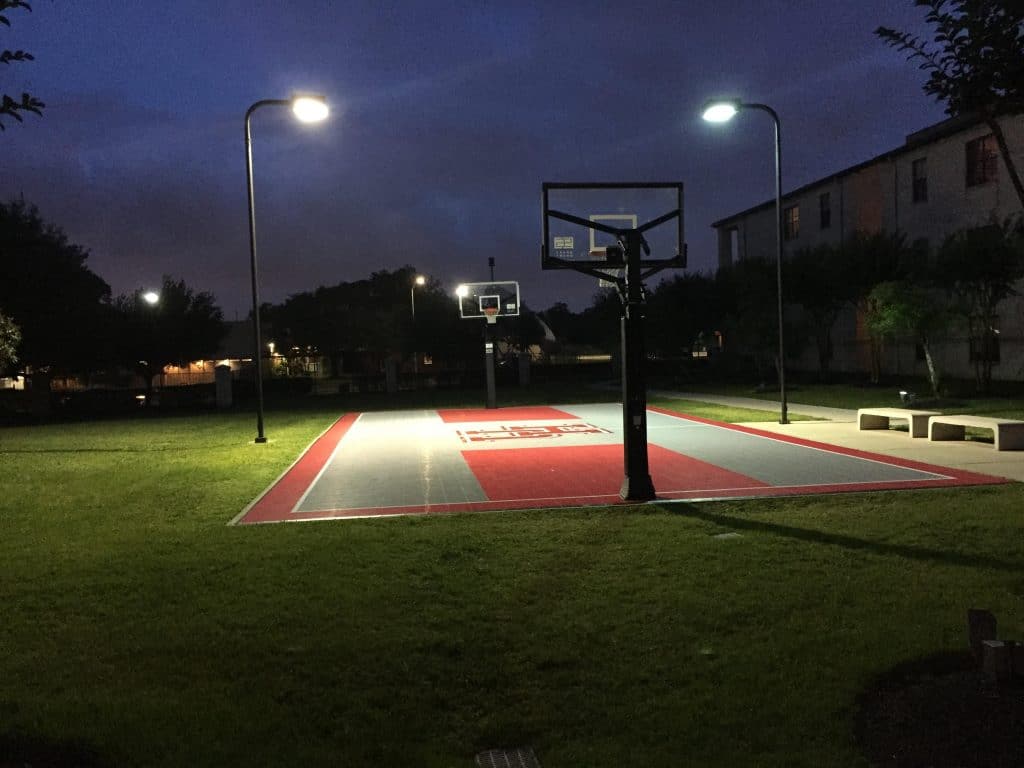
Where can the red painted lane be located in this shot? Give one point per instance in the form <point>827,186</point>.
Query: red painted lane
<point>280,499</point>
<point>511,415</point>
<point>965,477</point>
<point>588,471</point>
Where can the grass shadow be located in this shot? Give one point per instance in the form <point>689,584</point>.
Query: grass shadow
<point>810,535</point>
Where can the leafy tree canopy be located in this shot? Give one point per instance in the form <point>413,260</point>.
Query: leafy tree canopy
<point>12,107</point>
<point>183,325</point>
<point>10,338</point>
<point>48,290</point>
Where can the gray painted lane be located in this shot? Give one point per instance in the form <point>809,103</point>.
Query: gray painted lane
<point>771,461</point>
<point>394,459</point>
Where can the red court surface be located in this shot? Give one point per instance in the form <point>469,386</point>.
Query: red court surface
<point>427,462</point>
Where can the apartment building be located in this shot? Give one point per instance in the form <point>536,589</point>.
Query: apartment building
<point>943,178</point>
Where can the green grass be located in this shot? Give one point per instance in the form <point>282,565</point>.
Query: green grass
<point>726,413</point>
<point>136,621</point>
<point>853,397</point>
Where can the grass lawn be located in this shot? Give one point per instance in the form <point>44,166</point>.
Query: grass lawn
<point>853,397</point>
<point>137,623</point>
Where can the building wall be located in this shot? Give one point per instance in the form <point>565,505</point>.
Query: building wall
<point>879,196</point>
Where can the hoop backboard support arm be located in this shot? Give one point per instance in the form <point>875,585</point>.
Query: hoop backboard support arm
<point>632,254</point>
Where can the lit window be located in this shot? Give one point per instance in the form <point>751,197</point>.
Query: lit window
<point>981,160</point>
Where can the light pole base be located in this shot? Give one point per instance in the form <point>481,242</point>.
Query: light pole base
<point>260,440</point>
<point>637,488</point>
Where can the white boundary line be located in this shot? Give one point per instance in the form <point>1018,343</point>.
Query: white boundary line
<point>248,507</point>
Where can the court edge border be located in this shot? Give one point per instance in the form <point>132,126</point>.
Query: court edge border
<point>237,519</point>
<point>940,481</point>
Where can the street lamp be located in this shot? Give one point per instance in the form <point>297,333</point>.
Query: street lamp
<point>307,109</point>
<point>418,280</point>
<point>151,298</point>
<point>721,111</point>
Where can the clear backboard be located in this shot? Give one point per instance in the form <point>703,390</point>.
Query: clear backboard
<point>584,221</point>
<point>488,300</point>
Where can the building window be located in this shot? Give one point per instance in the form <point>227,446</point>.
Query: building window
<point>981,160</point>
<point>791,222</point>
<point>825,209</point>
<point>919,172</point>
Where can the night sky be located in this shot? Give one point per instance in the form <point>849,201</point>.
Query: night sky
<point>447,116</point>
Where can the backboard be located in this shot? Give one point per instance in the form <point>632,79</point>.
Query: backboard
<point>582,220</point>
<point>488,300</point>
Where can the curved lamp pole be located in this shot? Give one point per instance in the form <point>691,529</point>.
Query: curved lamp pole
<point>308,109</point>
<point>721,111</point>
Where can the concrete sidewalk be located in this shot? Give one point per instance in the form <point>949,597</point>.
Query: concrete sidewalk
<point>839,427</point>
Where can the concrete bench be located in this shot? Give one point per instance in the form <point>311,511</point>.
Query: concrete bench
<point>878,418</point>
<point>1008,433</point>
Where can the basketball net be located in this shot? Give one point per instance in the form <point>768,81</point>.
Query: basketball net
<point>491,313</point>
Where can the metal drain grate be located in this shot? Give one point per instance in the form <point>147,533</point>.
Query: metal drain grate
<point>521,757</point>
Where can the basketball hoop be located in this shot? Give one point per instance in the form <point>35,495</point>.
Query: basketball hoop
<point>491,313</point>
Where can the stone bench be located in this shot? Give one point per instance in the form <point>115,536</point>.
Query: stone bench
<point>1008,433</point>
<point>878,418</point>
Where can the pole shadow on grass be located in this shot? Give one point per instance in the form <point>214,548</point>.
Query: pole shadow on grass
<point>924,554</point>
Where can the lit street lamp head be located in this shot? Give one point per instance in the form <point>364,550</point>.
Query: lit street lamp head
<point>420,280</point>
<point>310,109</point>
<point>462,291</point>
<point>720,110</point>
<point>151,297</point>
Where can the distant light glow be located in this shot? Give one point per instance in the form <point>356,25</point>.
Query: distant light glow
<point>310,109</point>
<point>151,297</point>
<point>720,111</point>
<point>462,291</point>
<point>421,280</point>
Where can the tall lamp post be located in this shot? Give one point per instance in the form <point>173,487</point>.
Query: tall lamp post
<point>721,111</point>
<point>418,280</point>
<point>307,109</point>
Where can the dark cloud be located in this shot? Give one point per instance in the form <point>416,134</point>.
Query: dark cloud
<point>447,116</point>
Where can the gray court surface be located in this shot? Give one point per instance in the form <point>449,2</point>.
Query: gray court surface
<point>416,459</point>
<point>394,459</point>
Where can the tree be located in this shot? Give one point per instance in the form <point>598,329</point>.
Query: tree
<point>749,298</point>
<point>976,64</point>
<point>682,309</point>
<point>356,325</point>
<point>518,334</point>
<point>910,307</point>
<point>59,304</point>
<point>182,326</point>
<point>864,261</point>
<point>10,338</point>
<point>815,280</point>
<point>980,267</point>
<point>12,107</point>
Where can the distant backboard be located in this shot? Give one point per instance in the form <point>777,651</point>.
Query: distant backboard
<point>583,220</point>
<point>488,300</point>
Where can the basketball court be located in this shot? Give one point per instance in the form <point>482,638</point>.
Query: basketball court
<point>422,462</point>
